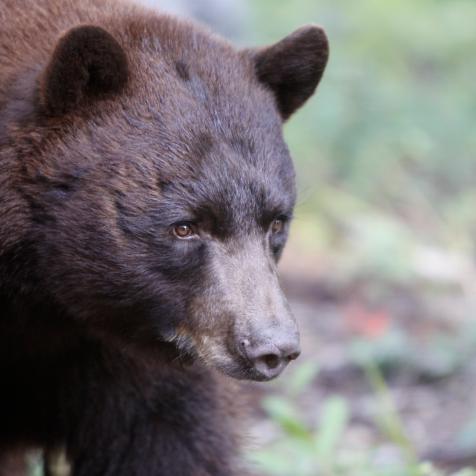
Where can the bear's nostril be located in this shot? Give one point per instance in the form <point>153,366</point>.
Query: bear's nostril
<point>293,356</point>
<point>271,360</point>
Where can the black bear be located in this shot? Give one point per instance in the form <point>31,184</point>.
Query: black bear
<point>145,198</point>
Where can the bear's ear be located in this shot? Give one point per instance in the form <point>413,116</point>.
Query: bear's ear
<point>293,67</point>
<point>87,64</point>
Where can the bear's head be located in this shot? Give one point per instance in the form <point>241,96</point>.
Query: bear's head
<point>159,188</point>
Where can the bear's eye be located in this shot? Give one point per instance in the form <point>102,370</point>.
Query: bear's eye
<point>277,225</point>
<point>184,230</point>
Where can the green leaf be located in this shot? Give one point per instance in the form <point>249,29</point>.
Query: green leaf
<point>285,415</point>
<point>335,414</point>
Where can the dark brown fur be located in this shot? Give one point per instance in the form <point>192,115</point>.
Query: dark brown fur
<point>116,122</point>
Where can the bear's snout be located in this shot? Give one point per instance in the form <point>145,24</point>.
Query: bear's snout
<point>269,358</point>
<point>261,336</point>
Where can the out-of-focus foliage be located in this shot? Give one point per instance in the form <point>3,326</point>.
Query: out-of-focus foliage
<point>312,446</point>
<point>386,151</point>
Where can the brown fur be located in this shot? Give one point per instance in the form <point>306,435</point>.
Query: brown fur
<point>115,123</point>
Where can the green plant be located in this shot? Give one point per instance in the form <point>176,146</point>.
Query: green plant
<point>306,447</point>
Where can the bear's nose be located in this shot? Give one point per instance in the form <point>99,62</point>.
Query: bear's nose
<point>270,358</point>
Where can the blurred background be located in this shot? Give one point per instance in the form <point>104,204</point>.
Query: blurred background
<point>381,264</point>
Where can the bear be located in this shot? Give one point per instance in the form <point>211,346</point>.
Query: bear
<point>146,194</point>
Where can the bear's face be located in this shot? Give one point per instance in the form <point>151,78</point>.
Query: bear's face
<point>164,192</point>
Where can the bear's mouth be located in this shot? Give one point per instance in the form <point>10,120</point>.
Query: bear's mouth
<point>234,364</point>
<point>245,371</point>
<point>213,353</point>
